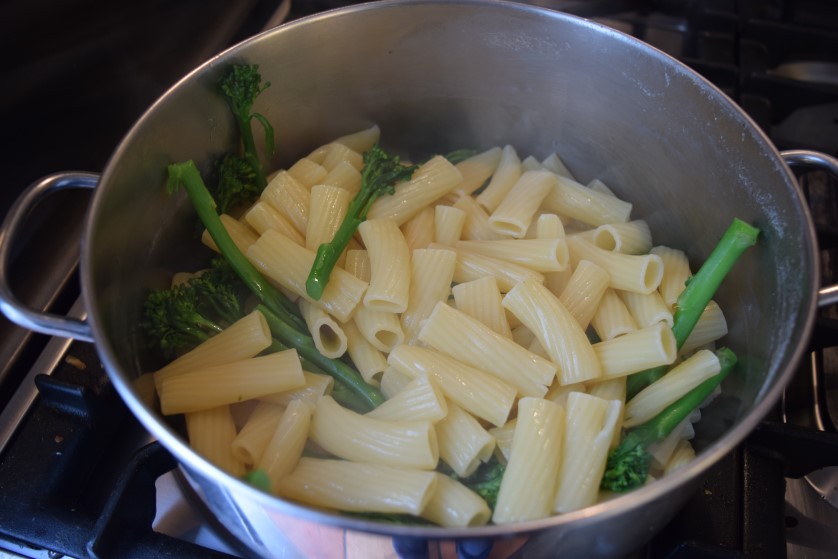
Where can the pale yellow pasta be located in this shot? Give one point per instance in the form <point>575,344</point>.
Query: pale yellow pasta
<point>419,400</point>
<point>253,437</point>
<point>530,163</point>
<point>285,447</point>
<point>528,486</point>
<point>327,209</point>
<point>418,231</point>
<point>558,392</point>
<point>448,224</point>
<point>338,153</point>
<point>454,505</point>
<point>477,169</point>
<point>635,351</point>
<point>476,391</point>
<point>476,223</point>
<point>307,172</point>
<point>357,263</point>
<point>502,180</point>
<point>630,272</point>
<point>515,212</point>
<point>554,163</point>
<point>471,265</point>
<point>481,299</point>
<point>358,487</point>
<point>631,237</point>
<point>316,385</point>
<point>145,389</point>
<point>211,433</point>
<point>393,381</point>
<point>389,255</point>
<point>362,140</point>
<point>228,383</point>
<point>685,376</point>
<point>345,176</point>
<point>683,455</point>
<point>247,337</point>
<point>549,226</point>
<point>289,198</point>
<point>612,318</point>
<point>589,430</point>
<point>262,216</point>
<point>574,200</point>
<point>353,436</point>
<point>598,186</point>
<point>611,389</point>
<point>369,361</point>
<point>431,274</point>
<point>539,255</point>
<point>584,291</point>
<point>647,308</point>
<point>241,234</point>
<point>710,327</point>
<point>430,181</point>
<point>382,329</point>
<point>661,451</point>
<point>503,439</point>
<point>288,264</point>
<point>329,337</point>
<point>463,442</point>
<point>556,330</point>
<point>469,341</point>
<point>676,272</point>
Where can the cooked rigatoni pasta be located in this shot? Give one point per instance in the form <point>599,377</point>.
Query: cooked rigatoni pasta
<point>251,440</point>
<point>481,299</point>
<point>683,455</point>
<point>579,202</point>
<point>288,264</point>
<point>369,360</point>
<point>515,212</point>
<point>506,174</point>
<point>469,341</point>
<point>630,272</point>
<point>431,274</point>
<point>503,439</point>
<point>632,237</point>
<point>476,224</point>
<point>584,290</point>
<point>676,272</point>
<point>345,176</point>
<point>529,483</point>
<point>647,308</point>
<point>611,389</point>
<point>448,224</point>
<point>285,447</point>
<point>307,172</point>
<point>327,209</point>
<point>612,318</point>
<point>352,436</point>
<point>558,392</point>
<point>554,163</point>
<point>316,385</point>
<point>590,423</point>
<point>289,198</point>
<point>556,330</point>
<point>389,255</point>
<point>463,442</point>
<point>329,337</point>
<point>337,153</point>
<point>419,400</point>
<point>540,255</point>
<point>710,327</point>
<point>635,351</point>
<point>358,487</point>
<point>382,329</point>
<point>476,391</point>
<point>454,505</point>
<point>227,383</point>
<point>685,376</point>
<point>477,169</point>
<point>262,216</point>
<point>393,381</point>
<point>418,231</point>
<point>211,433</point>
<point>431,181</point>
<point>471,265</point>
<point>241,234</point>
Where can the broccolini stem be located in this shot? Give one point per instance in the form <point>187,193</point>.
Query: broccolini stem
<point>628,464</point>
<point>304,344</point>
<point>186,174</point>
<point>697,294</point>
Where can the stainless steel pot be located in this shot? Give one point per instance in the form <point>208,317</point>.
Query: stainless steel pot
<point>441,75</point>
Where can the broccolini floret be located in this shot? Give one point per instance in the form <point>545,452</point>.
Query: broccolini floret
<point>379,176</point>
<point>236,183</point>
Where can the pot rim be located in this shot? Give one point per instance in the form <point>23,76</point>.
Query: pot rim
<point>595,513</point>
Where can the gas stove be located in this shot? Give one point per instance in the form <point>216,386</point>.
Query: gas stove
<point>79,477</point>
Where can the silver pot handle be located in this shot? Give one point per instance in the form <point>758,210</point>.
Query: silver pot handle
<point>801,158</point>
<point>11,306</point>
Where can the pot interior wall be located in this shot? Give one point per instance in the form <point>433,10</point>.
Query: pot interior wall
<point>452,75</point>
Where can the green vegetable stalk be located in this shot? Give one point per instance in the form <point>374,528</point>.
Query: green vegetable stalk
<point>628,464</point>
<point>241,85</point>
<point>379,176</point>
<point>698,292</point>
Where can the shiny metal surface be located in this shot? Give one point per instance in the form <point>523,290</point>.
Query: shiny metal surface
<point>443,75</point>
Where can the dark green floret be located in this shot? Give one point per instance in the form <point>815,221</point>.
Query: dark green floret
<point>236,183</point>
<point>380,174</point>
